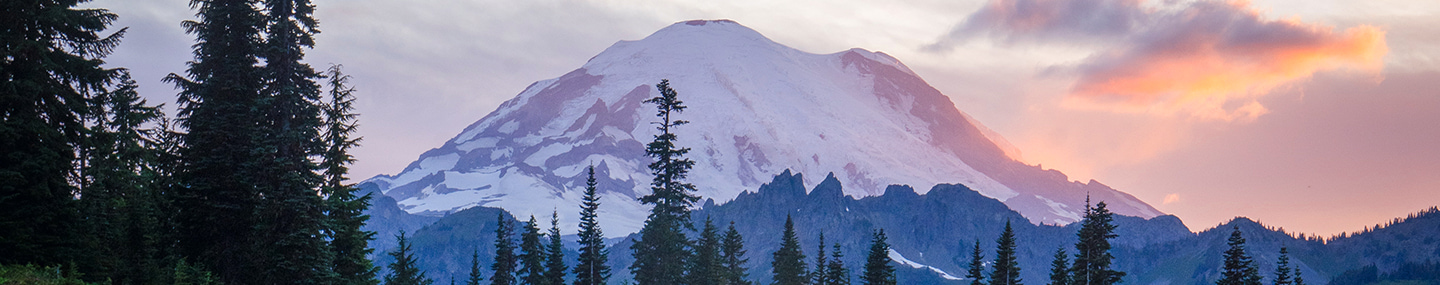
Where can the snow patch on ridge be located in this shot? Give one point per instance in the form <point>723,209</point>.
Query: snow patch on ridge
<point>895,255</point>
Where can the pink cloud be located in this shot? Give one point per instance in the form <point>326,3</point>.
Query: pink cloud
<point>1207,59</point>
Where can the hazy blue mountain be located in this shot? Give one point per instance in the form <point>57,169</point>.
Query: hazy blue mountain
<point>933,232</point>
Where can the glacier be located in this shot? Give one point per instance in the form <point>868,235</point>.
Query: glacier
<point>756,108</point>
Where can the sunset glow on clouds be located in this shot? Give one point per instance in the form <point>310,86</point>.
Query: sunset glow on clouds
<point>1208,60</point>
<point>1045,74</point>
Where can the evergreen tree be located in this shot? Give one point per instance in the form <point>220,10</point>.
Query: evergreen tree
<point>50,62</point>
<point>788,263</point>
<point>475,277</point>
<point>121,204</point>
<point>660,253</point>
<point>555,253</point>
<point>819,276</point>
<point>1092,252</point>
<point>1282,268</point>
<point>591,268</point>
<point>532,255</point>
<point>189,274</point>
<point>878,270</point>
<point>505,259</point>
<point>835,271</point>
<point>218,109</point>
<point>1059,269</point>
<point>349,245</point>
<point>976,274</point>
<point>1299,280</point>
<point>1239,268</point>
<point>705,265</point>
<point>732,252</point>
<point>291,215</point>
<point>1006,270</point>
<point>404,271</point>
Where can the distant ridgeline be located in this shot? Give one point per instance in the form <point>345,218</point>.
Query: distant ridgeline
<point>932,236</point>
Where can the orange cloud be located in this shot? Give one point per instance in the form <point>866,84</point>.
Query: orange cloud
<point>1208,59</point>
<point>1212,55</point>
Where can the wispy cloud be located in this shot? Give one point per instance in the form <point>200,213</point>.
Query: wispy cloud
<point>1171,198</point>
<point>1209,60</point>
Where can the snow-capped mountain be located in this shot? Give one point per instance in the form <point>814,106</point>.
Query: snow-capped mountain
<point>756,108</point>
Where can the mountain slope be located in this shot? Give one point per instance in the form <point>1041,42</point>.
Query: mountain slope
<point>933,233</point>
<point>756,107</point>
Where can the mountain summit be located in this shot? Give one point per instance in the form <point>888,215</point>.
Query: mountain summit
<point>756,107</point>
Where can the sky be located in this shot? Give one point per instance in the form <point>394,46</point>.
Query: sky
<point>1317,116</point>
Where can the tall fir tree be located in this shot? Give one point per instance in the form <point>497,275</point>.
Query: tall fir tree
<point>705,265</point>
<point>819,275</point>
<point>291,215</point>
<point>788,263</point>
<point>1299,280</point>
<point>51,69</point>
<point>349,244</point>
<point>555,253</point>
<point>1092,252</point>
<point>591,269</point>
<point>1238,268</point>
<point>976,272</point>
<point>1060,268</point>
<point>660,253</point>
<point>218,109</point>
<point>732,256</point>
<point>475,276</point>
<point>1282,268</point>
<point>835,271</point>
<point>120,200</point>
<point>532,255</point>
<point>405,271</point>
<point>1006,270</point>
<point>878,270</point>
<point>505,260</point>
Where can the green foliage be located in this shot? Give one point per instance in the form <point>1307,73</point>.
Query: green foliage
<point>976,272</point>
<point>660,253</point>
<point>705,265</point>
<point>591,268</point>
<point>31,274</point>
<point>732,257</point>
<point>505,259</point>
<point>555,253</point>
<point>192,274</point>
<point>878,270</point>
<point>218,108</point>
<point>404,270</point>
<point>122,198</point>
<point>1239,268</point>
<point>1006,270</point>
<point>51,66</point>
<point>1092,265</point>
<point>289,214</point>
<point>788,263</point>
<point>1059,269</point>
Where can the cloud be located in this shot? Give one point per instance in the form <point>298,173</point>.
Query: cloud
<point>1048,20</point>
<point>1210,60</point>
<point>1171,198</point>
